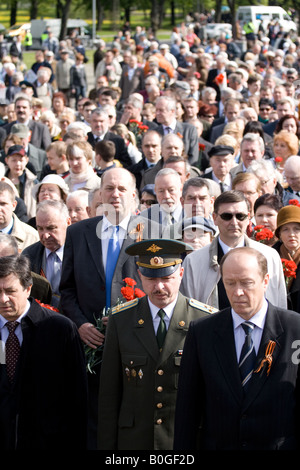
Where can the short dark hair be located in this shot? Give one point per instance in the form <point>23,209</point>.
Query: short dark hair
<point>271,200</point>
<point>106,149</point>
<point>229,197</point>
<point>18,265</point>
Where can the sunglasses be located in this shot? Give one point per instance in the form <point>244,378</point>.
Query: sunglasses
<point>147,202</point>
<point>228,216</point>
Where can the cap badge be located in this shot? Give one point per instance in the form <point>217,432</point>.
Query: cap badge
<point>156,261</point>
<point>154,248</point>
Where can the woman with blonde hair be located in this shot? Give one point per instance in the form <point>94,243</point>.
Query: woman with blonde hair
<point>80,157</point>
<point>285,144</point>
<point>130,141</point>
<point>49,119</point>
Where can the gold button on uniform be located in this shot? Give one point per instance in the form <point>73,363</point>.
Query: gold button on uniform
<point>159,405</point>
<point>159,389</point>
<point>160,372</point>
<point>159,421</point>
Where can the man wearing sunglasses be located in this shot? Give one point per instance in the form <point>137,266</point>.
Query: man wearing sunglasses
<point>202,279</point>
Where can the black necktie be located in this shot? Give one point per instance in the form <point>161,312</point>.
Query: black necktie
<point>162,329</point>
<point>12,350</point>
<point>248,355</point>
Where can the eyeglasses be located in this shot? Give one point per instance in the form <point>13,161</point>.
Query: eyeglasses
<point>148,202</point>
<point>264,109</point>
<point>228,216</point>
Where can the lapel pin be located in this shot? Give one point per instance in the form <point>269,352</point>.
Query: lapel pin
<point>141,322</point>
<point>140,374</point>
<point>181,323</point>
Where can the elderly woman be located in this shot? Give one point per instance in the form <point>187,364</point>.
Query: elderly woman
<point>285,144</point>
<point>82,176</point>
<point>266,208</point>
<point>51,187</point>
<point>288,247</point>
<point>48,118</point>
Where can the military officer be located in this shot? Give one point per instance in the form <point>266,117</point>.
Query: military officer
<point>142,353</point>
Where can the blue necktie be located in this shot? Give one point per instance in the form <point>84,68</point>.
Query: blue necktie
<point>248,355</point>
<point>113,252</point>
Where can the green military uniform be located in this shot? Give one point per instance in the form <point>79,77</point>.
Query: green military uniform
<point>138,383</point>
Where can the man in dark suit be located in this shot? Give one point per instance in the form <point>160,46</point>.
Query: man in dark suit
<point>91,282</point>
<point>46,255</point>
<point>40,135</point>
<point>43,393</point>
<point>166,117</point>
<point>238,384</point>
<point>142,353</point>
<point>232,109</point>
<point>221,161</point>
<point>221,61</point>
<point>132,78</point>
<point>100,131</point>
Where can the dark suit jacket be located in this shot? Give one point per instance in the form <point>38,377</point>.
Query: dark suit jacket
<point>270,127</point>
<point>210,393</point>
<point>132,371</point>
<point>131,86</point>
<point>40,135</point>
<point>121,149</point>
<point>190,139</point>
<point>82,284</point>
<point>3,134</point>
<point>38,411</point>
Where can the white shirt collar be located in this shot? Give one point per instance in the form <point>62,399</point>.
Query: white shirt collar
<point>227,248</point>
<point>168,309</point>
<point>258,319</point>
<point>123,224</point>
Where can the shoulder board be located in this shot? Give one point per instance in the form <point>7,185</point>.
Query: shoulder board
<point>201,306</point>
<point>125,306</point>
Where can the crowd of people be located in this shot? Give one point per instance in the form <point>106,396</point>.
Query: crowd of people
<point>179,153</point>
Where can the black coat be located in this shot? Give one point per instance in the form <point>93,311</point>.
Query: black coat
<point>210,392</point>
<point>121,149</point>
<point>46,408</point>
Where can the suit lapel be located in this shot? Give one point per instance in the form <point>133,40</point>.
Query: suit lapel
<point>272,332</point>
<point>93,237</point>
<point>224,345</point>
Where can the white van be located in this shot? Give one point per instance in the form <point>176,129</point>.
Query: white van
<point>257,13</point>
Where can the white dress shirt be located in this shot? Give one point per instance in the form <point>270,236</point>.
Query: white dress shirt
<point>239,334</point>
<point>106,232</point>
<point>4,332</point>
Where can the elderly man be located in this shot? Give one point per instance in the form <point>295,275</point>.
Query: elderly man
<point>284,106</point>
<point>77,203</point>
<point>99,122</point>
<point>221,161</point>
<point>232,110</point>
<point>197,198</point>
<point>46,255</point>
<point>238,362</point>
<point>43,376</point>
<point>231,216</point>
<point>168,190</point>
<point>252,148</point>
<point>166,117</point>
<point>292,176</point>
<point>24,234</point>
<point>142,353</point>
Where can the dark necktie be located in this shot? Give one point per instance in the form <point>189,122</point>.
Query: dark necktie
<point>113,252</point>
<point>55,276</point>
<point>162,329</point>
<point>12,350</point>
<point>222,187</point>
<point>248,356</point>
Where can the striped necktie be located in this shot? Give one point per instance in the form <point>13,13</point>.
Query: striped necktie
<point>248,355</point>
